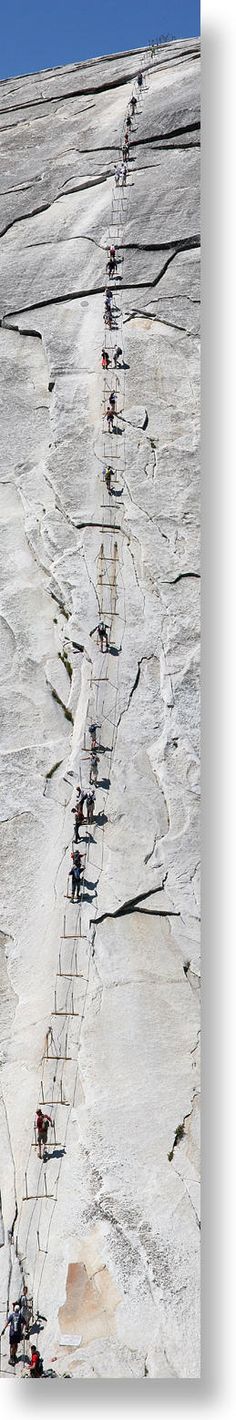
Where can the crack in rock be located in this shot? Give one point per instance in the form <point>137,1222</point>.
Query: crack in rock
<point>131,904</point>
<point>180,1131</point>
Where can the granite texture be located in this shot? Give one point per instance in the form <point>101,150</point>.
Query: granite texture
<point>111,1255</point>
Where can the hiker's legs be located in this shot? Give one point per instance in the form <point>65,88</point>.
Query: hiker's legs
<point>44,1142</point>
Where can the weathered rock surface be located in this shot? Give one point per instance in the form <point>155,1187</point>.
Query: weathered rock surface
<point>112,1253</point>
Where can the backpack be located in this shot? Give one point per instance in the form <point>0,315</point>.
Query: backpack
<point>18,1333</point>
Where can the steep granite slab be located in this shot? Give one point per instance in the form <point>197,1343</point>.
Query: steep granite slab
<point>120,1265</point>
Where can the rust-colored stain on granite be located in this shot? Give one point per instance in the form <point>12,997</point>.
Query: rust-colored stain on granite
<point>91,1302</point>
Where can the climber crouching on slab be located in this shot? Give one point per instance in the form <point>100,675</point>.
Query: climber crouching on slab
<point>36,1364</point>
<point>42,1122</point>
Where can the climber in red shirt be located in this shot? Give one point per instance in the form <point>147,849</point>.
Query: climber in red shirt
<point>105,359</point>
<point>36,1364</point>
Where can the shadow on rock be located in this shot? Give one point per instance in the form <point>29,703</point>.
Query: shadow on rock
<point>55,1154</point>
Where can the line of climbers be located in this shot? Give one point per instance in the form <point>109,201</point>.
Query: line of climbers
<point>20,1317</point>
<point>110,312</point>
<point>85,797</point>
<point>121,169</point>
<point>88,796</point>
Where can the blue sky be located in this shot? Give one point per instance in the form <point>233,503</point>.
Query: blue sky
<point>38,36</point>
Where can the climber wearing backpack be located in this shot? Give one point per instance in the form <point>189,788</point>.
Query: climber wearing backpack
<point>102,633</point>
<point>25,1311</point>
<point>93,735</point>
<point>75,874</point>
<point>108,473</point>
<point>42,1125</point>
<point>110,417</point>
<point>15,1331</point>
<point>79,816</point>
<point>116,356</point>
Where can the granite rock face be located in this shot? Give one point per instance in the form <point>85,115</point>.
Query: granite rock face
<point>100,1002</point>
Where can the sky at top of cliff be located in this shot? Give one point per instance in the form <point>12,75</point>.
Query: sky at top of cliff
<point>56,33</point>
